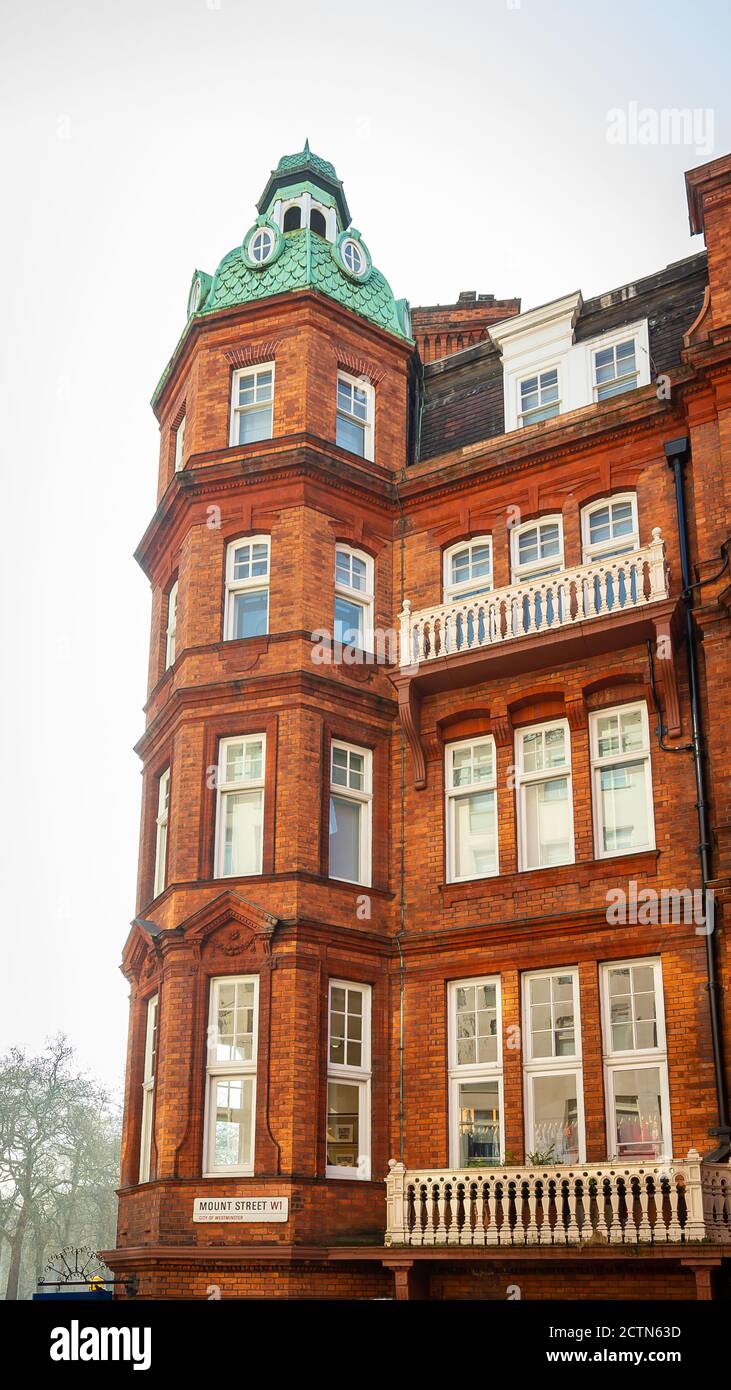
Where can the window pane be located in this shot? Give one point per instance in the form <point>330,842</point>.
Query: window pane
<point>232,1121</point>
<point>638,1113</point>
<point>345,839</point>
<point>547,823</point>
<point>242,822</point>
<point>623,806</point>
<point>479,1123</point>
<point>350,435</point>
<point>343,1124</point>
<point>556,1118</point>
<point>255,424</point>
<point>251,613</point>
<point>348,622</point>
<point>475,835</point>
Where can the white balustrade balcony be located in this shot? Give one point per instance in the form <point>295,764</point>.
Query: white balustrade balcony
<point>533,607</point>
<point>614,1203</point>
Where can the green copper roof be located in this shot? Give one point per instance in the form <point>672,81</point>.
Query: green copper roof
<point>306,160</point>
<point>306,262</point>
<point>305,164</point>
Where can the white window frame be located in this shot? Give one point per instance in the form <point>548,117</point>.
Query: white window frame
<point>472,1071</point>
<point>631,1059</point>
<point>225,788</point>
<point>180,445</point>
<point>161,834</point>
<point>620,545</point>
<point>631,378</point>
<point>531,417</point>
<point>237,410</point>
<point>598,764</point>
<point>536,569</point>
<point>368,424</point>
<point>470,587</point>
<point>362,598</point>
<point>536,1068</point>
<point>148,1088</point>
<point>254,584</point>
<point>358,1076</point>
<point>172,625</point>
<point>234,1070</point>
<point>364,798</point>
<point>524,779</point>
<point>454,793</point>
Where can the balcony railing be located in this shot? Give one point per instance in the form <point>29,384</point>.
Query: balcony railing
<point>532,607</point>
<point>614,1203</point>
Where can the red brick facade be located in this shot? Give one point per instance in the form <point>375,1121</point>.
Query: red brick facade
<point>296,928</point>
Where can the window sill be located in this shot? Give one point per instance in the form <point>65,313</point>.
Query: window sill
<point>643,864</point>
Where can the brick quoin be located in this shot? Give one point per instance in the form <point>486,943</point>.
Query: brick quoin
<point>443,470</point>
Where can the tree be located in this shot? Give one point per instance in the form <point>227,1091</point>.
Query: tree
<point>59,1144</point>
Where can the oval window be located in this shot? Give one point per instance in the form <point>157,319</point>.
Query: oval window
<point>261,245</point>
<point>353,257</point>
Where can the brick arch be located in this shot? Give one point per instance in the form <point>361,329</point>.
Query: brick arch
<point>251,353</point>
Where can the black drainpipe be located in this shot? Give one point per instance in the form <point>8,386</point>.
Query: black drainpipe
<point>677,453</point>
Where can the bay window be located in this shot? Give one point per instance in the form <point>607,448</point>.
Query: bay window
<point>349,1080</point>
<point>252,404</point>
<point>231,1075</point>
<point>148,1089</point>
<point>635,1060</point>
<point>354,415</point>
<point>552,1067</point>
<point>247,588</point>
<point>240,806</point>
<point>622,780</point>
<point>161,836</point>
<point>543,792</point>
<point>353,619</point>
<point>351,783</point>
<point>475,1073</point>
<point>471,809</point>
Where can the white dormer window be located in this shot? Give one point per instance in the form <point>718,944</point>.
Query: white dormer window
<point>354,424</point>
<point>539,399</point>
<point>261,245</point>
<point>609,527</point>
<point>615,369</point>
<point>468,568</point>
<point>537,548</point>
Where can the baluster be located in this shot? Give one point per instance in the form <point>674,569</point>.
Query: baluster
<point>440,1226</point>
<point>427,1237</point>
<point>489,1213</point>
<point>675,1229</point>
<point>644,1230</point>
<point>532,1231</point>
<point>589,595</point>
<point>612,1206</point>
<point>573,1234</point>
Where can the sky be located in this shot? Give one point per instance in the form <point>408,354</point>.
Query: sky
<point>492,146</point>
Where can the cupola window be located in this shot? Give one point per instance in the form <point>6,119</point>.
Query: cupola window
<point>261,245</point>
<point>292,220</point>
<point>317,222</point>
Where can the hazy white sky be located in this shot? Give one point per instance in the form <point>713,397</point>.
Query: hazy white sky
<point>136,137</point>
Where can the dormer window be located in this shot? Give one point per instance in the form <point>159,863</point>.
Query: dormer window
<point>615,369</point>
<point>292,219</point>
<point>318,223</point>
<point>539,397</point>
<point>353,257</point>
<point>261,245</point>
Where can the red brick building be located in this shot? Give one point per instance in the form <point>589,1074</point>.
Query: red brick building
<point>426,996</point>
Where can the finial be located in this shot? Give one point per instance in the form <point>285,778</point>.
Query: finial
<point>307,145</point>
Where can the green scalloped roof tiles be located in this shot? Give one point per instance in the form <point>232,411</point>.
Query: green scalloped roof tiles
<point>305,263</point>
<point>306,158</point>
